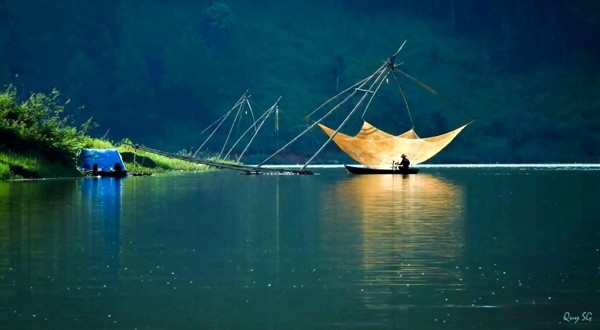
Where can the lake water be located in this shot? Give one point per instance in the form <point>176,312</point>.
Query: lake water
<point>451,248</point>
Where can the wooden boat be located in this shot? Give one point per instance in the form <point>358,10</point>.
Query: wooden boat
<point>113,174</point>
<point>108,174</point>
<point>366,170</point>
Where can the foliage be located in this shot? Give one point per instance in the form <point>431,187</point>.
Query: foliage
<point>159,72</point>
<point>138,161</point>
<point>92,143</point>
<point>11,162</point>
<point>39,123</point>
<point>37,140</point>
<point>32,164</point>
<point>5,172</point>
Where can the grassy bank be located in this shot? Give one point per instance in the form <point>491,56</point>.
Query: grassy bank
<point>138,161</point>
<point>34,164</point>
<point>38,141</point>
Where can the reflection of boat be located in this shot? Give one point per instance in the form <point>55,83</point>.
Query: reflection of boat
<point>365,170</point>
<point>102,199</point>
<point>402,233</point>
<point>416,198</point>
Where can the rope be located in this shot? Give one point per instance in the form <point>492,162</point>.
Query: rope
<point>405,100</point>
<point>213,132</point>
<point>377,82</point>
<point>244,134</point>
<point>306,130</point>
<point>220,121</point>
<point>237,115</point>
<point>250,107</point>
<point>442,98</point>
<point>354,88</point>
<point>265,116</point>
<point>373,93</point>
<point>360,83</point>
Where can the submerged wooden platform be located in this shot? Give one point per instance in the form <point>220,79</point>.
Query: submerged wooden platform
<point>243,169</point>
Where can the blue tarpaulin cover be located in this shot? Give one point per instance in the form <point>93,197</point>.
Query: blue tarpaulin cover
<point>105,158</point>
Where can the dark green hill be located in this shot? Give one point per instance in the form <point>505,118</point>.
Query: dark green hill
<point>160,72</point>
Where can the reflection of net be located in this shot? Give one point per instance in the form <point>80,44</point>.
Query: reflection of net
<point>377,149</point>
<point>409,233</point>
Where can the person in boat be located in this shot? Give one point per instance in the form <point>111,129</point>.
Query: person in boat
<point>404,163</point>
<point>118,167</point>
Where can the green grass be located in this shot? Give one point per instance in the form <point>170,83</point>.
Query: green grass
<point>13,166</point>
<point>138,161</point>
<point>38,141</point>
<point>32,164</point>
<point>146,162</point>
<point>92,143</point>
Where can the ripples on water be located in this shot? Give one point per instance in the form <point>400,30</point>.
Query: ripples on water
<point>452,247</point>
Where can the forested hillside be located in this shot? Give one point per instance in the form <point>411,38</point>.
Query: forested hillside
<point>159,72</point>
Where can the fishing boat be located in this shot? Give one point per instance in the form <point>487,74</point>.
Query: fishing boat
<point>353,169</point>
<point>376,149</point>
<point>109,174</point>
<point>372,147</point>
<point>105,163</point>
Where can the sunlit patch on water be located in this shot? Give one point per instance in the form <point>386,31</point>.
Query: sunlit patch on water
<point>407,232</point>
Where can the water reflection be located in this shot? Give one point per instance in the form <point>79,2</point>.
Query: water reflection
<point>404,233</point>
<point>60,241</point>
<point>31,228</point>
<point>101,201</point>
<point>220,250</point>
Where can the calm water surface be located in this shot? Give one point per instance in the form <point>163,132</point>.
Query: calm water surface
<point>451,248</point>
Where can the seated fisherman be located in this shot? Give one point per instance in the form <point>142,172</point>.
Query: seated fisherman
<point>405,162</point>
